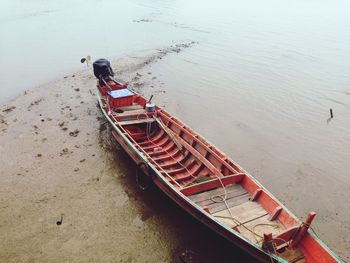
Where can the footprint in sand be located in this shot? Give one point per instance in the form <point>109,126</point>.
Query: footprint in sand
<point>65,151</point>
<point>74,133</point>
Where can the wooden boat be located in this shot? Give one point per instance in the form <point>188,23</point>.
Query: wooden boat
<point>207,183</point>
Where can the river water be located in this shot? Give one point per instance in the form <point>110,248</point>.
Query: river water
<point>258,82</point>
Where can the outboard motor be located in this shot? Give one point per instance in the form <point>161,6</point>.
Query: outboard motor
<point>103,70</point>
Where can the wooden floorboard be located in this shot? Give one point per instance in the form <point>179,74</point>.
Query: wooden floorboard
<point>215,198</point>
<point>238,200</point>
<point>217,191</point>
<point>260,226</point>
<point>242,213</point>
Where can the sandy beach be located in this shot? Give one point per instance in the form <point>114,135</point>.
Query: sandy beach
<point>68,192</point>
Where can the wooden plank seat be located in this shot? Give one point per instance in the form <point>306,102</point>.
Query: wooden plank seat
<point>135,106</point>
<point>235,195</point>
<point>136,121</point>
<point>130,112</point>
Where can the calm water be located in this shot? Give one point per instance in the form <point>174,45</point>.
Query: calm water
<point>259,84</point>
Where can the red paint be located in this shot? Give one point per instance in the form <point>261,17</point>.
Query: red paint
<point>303,229</point>
<point>256,194</point>
<point>275,213</point>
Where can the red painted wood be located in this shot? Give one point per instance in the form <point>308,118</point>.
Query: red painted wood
<point>303,229</point>
<point>215,183</point>
<point>314,252</point>
<point>256,194</point>
<point>206,209</point>
<point>285,236</point>
<point>275,213</point>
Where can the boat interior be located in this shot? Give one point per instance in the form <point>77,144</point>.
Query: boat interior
<point>211,181</point>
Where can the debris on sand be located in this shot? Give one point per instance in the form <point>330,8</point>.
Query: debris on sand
<point>59,222</point>
<point>74,133</point>
<point>142,21</point>
<point>153,57</point>
<point>33,103</point>
<point>65,151</point>
<point>9,109</point>
<point>2,120</point>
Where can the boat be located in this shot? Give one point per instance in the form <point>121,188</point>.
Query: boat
<point>204,181</point>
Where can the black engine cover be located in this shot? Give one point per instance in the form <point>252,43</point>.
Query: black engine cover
<point>102,69</point>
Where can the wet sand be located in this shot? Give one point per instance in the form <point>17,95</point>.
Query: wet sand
<point>68,191</point>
